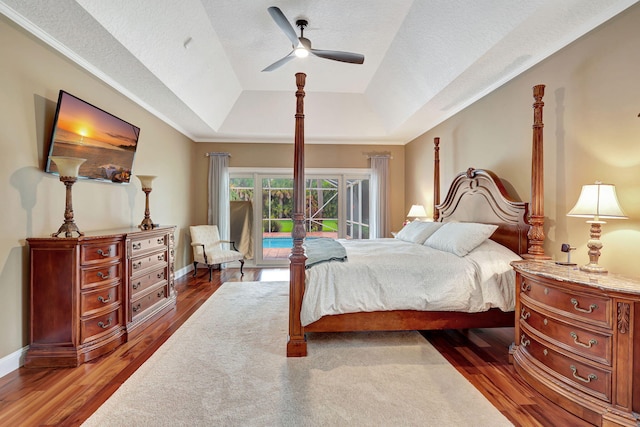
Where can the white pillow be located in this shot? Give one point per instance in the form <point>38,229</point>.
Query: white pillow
<point>460,238</point>
<point>417,231</point>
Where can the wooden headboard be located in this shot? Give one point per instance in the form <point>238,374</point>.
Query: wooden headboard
<point>478,195</point>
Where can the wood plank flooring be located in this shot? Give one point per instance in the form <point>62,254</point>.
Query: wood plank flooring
<point>67,397</point>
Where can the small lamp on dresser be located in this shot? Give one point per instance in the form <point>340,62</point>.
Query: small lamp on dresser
<point>146,180</point>
<point>597,201</point>
<point>68,168</point>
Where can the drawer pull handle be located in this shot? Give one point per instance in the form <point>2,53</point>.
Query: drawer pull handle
<point>160,240</point>
<point>136,307</point>
<point>590,377</point>
<point>160,275</point>
<point>524,341</point>
<point>103,299</point>
<point>161,257</point>
<point>592,341</point>
<point>137,246</point>
<point>105,325</point>
<point>161,294</point>
<point>589,310</point>
<point>103,275</point>
<point>136,285</point>
<point>525,287</point>
<point>104,253</point>
<point>524,314</point>
<point>137,265</point>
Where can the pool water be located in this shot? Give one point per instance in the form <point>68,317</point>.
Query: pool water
<point>277,242</point>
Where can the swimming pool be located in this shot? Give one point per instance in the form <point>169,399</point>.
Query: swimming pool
<point>277,242</point>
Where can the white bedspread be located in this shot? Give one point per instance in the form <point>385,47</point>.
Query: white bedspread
<point>390,274</point>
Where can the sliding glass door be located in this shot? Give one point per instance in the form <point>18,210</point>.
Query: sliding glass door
<point>336,206</point>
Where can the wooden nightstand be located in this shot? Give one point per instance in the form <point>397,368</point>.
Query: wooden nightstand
<point>575,340</point>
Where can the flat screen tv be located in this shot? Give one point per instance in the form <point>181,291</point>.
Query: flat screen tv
<point>107,142</point>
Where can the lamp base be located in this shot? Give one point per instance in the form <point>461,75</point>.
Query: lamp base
<point>147,224</point>
<point>593,268</point>
<point>68,228</point>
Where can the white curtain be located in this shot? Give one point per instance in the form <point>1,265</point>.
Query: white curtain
<point>380,221</point>
<point>218,211</point>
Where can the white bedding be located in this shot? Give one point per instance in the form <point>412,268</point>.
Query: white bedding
<point>390,274</point>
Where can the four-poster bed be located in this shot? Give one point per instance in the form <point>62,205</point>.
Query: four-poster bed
<point>475,196</point>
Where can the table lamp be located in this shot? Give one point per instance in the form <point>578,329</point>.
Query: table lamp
<point>146,180</point>
<point>416,211</point>
<point>68,170</point>
<point>597,201</point>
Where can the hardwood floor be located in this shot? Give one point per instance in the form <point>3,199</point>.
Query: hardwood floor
<point>67,397</point>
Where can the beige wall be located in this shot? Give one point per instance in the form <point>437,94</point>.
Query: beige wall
<point>316,156</point>
<point>592,132</point>
<point>33,202</point>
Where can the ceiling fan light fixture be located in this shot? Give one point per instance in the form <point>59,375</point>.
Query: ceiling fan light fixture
<point>301,51</point>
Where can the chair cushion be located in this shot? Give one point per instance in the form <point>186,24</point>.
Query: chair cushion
<point>219,256</point>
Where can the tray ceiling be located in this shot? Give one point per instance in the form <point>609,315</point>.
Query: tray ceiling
<point>196,64</point>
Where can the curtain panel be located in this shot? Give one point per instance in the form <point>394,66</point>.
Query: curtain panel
<point>218,184</point>
<point>380,218</point>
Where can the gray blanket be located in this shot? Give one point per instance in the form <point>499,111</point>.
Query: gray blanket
<point>323,249</point>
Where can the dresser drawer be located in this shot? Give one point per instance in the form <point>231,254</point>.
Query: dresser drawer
<point>586,377</point>
<point>99,299</point>
<point>99,275</point>
<point>584,307</point>
<point>148,300</point>
<point>145,281</point>
<point>96,253</point>
<point>93,327</point>
<point>147,244</point>
<point>143,263</point>
<point>590,344</point>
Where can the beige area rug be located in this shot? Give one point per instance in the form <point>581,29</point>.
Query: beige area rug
<point>226,366</point>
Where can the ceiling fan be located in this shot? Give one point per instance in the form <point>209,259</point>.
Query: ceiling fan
<point>302,45</point>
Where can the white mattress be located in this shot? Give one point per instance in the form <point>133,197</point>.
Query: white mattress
<point>390,274</point>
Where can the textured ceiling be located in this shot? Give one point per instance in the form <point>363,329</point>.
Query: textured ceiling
<point>196,64</point>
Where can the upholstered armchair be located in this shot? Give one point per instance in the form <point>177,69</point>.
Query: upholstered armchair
<point>210,250</point>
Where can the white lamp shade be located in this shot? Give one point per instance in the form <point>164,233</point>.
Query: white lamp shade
<point>417,211</point>
<point>598,201</point>
<point>146,180</point>
<point>67,166</point>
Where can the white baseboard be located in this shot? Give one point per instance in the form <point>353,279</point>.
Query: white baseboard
<point>12,361</point>
<point>184,271</point>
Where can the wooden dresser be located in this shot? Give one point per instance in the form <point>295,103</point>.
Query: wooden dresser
<point>89,294</point>
<point>575,340</point>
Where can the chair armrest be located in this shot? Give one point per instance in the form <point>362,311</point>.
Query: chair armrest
<point>204,250</point>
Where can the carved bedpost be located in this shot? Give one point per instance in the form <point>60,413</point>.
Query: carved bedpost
<point>436,177</point>
<point>536,206</point>
<point>297,344</point>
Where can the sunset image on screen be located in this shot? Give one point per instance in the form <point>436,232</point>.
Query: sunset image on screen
<point>107,142</point>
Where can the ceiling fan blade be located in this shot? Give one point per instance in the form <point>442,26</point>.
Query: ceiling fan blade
<point>352,58</point>
<point>284,24</point>
<point>279,63</point>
